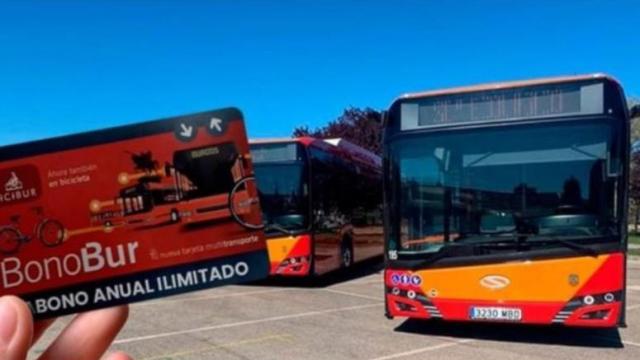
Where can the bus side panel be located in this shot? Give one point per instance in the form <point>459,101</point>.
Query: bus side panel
<point>328,205</point>
<point>346,209</point>
<point>368,242</point>
<point>290,255</point>
<point>326,252</point>
<point>580,291</point>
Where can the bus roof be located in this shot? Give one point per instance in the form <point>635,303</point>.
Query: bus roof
<point>508,84</point>
<point>355,152</point>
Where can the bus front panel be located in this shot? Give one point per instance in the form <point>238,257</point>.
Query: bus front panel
<point>575,291</point>
<point>290,255</point>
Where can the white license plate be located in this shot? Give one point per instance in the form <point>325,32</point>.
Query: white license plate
<point>495,313</point>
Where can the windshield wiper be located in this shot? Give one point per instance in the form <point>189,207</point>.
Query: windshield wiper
<point>569,243</point>
<point>453,249</point>
<point>518,240</point>
<point>435,257</point>
<point>277,227</point>
<point>524,239</point>
<point>488,239</point>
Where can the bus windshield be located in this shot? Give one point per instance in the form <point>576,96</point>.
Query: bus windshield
<point>493,185</point>
<point>284,196</point>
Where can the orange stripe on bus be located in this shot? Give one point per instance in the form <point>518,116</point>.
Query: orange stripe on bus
<point>541,280</point>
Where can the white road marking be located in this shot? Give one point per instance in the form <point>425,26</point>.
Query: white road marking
<point>633,287</point>
<point>633,307</point>
<point>242,323</point>
<point>282,337</point>
<point>208,297</point>
<point>354,294</point>
<point>425,349</point>
<point>631,343</point>
<point>366,282</point>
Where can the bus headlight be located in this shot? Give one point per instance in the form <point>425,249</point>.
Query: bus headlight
<point>411,294</point>
<point>589,300</point>
<point>609,297</point>
<point>395,291</point>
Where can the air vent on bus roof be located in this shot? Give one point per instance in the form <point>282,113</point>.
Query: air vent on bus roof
<point>355,150</point>
<point>334,142</point>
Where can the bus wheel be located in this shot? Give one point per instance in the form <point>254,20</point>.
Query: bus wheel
<point>51,233</point>
<point>9,241</point>
<point>244,203</point>
<point>346,253</point>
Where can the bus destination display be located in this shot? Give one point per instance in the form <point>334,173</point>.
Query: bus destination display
<point>508,104</point>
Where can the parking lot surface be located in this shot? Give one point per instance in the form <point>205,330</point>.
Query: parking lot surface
<point>342,317</point>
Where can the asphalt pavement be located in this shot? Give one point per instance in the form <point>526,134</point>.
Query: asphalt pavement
<point>342,317</point>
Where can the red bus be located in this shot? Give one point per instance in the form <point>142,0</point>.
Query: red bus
<point>508,203</point>
<point>180,191</point>
<point>321,202</point>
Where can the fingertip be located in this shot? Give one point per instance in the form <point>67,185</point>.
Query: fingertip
<point>16,330</point>
<point>125,311</point>
<point>119,355</point>
<point>20,309</point>
<point>89,334</point>
<point>19,305</point>
<point>122,313</point>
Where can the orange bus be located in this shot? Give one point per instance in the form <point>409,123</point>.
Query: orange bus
<point>321,202</point>
<point>507,203</point>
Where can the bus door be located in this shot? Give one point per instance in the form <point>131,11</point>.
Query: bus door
<point>328,219</point>
<point>366,219</point>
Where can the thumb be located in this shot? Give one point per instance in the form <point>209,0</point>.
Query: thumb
<point>118,356</point>
<point>16,328</point>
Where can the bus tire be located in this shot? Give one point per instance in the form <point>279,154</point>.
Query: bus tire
<point>50,232</point>
<point>232,209</point>
<point>346,253</point>
<point>10,241</point>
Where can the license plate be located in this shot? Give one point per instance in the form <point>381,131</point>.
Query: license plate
<point>495,313</point>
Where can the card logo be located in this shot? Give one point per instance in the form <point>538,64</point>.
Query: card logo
<point>13,184</point>
<point>19,184</point>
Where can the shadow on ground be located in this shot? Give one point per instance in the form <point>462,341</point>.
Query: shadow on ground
<point>359,270</point>
<point>582,337</point>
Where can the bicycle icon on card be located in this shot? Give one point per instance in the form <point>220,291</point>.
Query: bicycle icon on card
<point>48,231</point>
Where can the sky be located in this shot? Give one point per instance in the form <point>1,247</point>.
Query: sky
<point>73,66</point>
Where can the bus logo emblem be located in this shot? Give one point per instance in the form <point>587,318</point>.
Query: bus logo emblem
<point>495,282</point>
<point>574,280</point>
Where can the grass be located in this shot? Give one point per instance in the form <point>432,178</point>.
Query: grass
<point>634,238</point>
